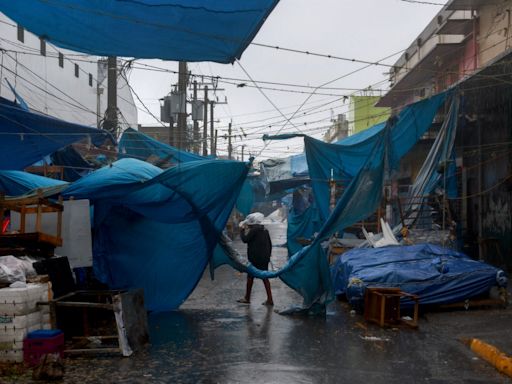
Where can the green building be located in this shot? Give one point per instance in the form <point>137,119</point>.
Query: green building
<point>363,114</point>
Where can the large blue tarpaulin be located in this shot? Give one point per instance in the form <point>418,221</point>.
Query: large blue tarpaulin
<point>28,137</point>
<point>180,30</point>
<point>438,275</point>
<point>157,229</point>
<point>15,183</point>
<point>343,160</point>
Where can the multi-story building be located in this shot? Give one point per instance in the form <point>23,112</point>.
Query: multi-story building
<point>58,82</point>
<point>467,47</point>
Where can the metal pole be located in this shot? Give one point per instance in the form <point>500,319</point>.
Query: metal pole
<point>205,121</point>
<point>230,147</point>
<point>212,131</point>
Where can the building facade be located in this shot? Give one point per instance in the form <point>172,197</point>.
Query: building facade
<point>467,48</point>
<point>58,82</point>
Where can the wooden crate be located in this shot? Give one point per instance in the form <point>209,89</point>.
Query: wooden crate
<point>382,306</point>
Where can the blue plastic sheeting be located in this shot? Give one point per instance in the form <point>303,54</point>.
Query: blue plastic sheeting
<point>157,229</point>
<point>180,30</point>
<point>15,183</point>
<point>137,145</point>
<point>436,274</point>
<point>28,137</point>
<point>301,225</point>
<point>344,160</point>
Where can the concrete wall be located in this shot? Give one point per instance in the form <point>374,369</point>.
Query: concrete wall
<point>495,36</point>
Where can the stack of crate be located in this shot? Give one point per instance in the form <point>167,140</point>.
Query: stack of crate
<point>19,315</point>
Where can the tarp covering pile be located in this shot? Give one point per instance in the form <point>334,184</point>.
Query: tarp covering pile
<point>137,145</point>
<point>186,30</point>
<point>28,137</point>
<point>438,275</point>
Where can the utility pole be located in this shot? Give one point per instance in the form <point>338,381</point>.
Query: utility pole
<point>215,145</point>
<point>243,147</point>
<point>182,115</point>
<point>195,135</point>
<point>205,121</point>
<point>111,113</point>
<point>230,146</point>
<point>212,133</point>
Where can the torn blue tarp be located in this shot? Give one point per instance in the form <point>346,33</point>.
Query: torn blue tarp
<point>179,30</point>
<point>343,161</point>
<point>137,145</point>
<point>28,137</point>
<point>15,183</point>
<point>157,229</point>
<point>438,275</point>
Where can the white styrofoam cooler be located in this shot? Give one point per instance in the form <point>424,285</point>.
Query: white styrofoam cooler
<point>22,301</point>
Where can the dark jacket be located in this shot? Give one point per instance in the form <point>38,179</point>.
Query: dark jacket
<point>259,245</point>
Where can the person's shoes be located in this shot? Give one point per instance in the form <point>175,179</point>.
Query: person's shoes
<point>269,303</point>
<point>243,300</point>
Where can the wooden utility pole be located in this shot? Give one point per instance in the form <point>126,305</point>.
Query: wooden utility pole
<point>205,121</point>
<point>182,115</point>
<point>111,113</point>
<point>243,147</point>
<point>230,146</point>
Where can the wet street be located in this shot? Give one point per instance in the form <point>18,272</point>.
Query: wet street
<point>213,339</point>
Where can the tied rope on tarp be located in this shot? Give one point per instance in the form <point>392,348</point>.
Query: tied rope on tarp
<point>179,30</point>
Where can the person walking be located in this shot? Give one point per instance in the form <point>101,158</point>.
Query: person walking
<point>259,250</point>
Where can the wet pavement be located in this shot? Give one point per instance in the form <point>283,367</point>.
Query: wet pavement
<point>213,339</point>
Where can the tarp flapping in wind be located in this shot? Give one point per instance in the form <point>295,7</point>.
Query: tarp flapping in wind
<point>157,229</point>
<point>180,30</point>
<point>137,145</point>
<point>27,137</point>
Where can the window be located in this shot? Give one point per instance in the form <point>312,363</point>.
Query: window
<point>90,80</point>
<point>42,45</point>
<point>21,33</point>
<point>77,70</point>
<point>61,60</point>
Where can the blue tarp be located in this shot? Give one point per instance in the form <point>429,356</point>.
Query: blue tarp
<point>157,229</point>
<point>15,183</point>
<point>344,159</point>
<point>75,166</point>
<point>180,30</point>
<point>438,275</point>
<point>137,145</point>
<point>27,137</point>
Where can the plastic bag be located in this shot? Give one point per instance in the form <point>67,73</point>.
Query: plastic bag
<point>12,269</point>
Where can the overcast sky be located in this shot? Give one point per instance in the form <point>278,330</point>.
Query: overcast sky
<point>361,29</point>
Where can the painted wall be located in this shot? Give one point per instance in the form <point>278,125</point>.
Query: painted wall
<point>495,35</point>
<point>363,114</point>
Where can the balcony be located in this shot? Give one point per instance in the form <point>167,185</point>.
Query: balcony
<point>422,67</point>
